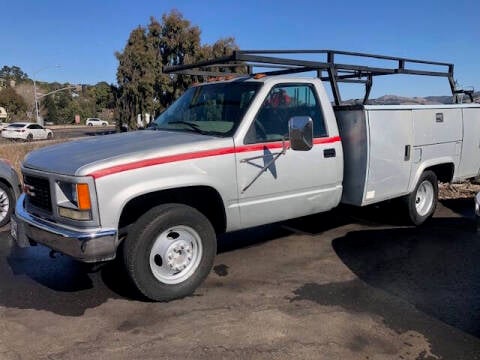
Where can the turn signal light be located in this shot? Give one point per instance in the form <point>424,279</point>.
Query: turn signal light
<point>83,196</point>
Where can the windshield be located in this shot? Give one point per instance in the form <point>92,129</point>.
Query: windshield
<point>214,109</point>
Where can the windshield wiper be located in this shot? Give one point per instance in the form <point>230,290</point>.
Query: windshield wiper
<point>193,126</point>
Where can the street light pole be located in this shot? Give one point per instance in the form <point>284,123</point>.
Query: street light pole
<point>37,115</point>
<point>36,102</point>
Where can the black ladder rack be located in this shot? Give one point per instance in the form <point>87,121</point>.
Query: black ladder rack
<point>328,70</point>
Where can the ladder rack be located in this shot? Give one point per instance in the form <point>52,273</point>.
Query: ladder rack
<point>280,63</point>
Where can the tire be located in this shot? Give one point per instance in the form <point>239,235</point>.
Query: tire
<point>7,204</point>
<point>49,136</point>
<point>422,202</point>
<point>29,138</point>
<point>169,251</point>
<point>90,124</point>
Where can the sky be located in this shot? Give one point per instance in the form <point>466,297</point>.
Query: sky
<point>76,41</point>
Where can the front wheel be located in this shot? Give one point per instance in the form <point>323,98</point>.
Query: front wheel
<point>169,251</point>
<point>7,201</point>
<point>422,202</point>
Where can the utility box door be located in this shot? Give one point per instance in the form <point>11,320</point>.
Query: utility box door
<point>470,160</point>
<point>390,135</point>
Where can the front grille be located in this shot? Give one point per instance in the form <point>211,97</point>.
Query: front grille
<point>38,193</point>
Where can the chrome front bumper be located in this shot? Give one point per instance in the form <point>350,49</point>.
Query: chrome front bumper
<point>87,245</point>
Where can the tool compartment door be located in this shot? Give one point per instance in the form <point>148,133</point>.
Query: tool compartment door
<point>470,159</point>
<point>390,137</point>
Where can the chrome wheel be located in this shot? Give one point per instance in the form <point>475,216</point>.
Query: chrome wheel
<point>4,204</point>
<point>424,198</point>
<point>176,254</point>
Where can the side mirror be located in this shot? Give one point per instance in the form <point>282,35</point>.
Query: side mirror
<point>300,130</point>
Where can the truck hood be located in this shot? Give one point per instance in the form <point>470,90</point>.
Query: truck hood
<point>85,156</point>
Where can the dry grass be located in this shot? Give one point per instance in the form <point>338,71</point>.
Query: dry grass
<point>463,190</point>
<point>15,152</point>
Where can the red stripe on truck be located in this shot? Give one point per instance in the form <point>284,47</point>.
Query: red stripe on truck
<point>198,155</point>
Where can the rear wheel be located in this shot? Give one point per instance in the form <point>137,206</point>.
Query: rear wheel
<point>422,202</point>
<point>6,204</point>
<point>49,136</point>
<point>169,251</point>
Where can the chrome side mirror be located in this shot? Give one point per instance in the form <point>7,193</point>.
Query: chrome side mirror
<point>300,130</point>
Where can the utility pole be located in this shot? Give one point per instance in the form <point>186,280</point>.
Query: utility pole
<point>37,115</point>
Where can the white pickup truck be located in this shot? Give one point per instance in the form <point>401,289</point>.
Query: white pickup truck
<point>237,153</point>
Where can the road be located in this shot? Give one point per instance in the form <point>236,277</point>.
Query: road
<point>79,131</point>
<point>349,284</point>
<point>68,132</point>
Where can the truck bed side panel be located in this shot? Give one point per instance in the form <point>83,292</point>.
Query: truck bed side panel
<point>374,141</point>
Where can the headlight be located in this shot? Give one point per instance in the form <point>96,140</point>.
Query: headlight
<point>73,201</point>
<point>74,214</point>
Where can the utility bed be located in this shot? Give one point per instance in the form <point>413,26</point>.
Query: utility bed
<point>386,147</point>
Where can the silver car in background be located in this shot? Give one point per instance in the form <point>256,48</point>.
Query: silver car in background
<point>10,190</point>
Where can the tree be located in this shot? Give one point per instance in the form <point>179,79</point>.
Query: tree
<point>173,41</point>
<point>51,107</point>
<point>13,73</point>
<point>103,95</point>
<point>135,76</point>
<point>13,103</point>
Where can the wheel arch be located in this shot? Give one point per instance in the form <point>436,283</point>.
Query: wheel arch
<point>444,170</point>
<point>205,199</point>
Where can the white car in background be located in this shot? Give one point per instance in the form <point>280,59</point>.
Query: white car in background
<point>96,122</point>
<point>26,131</point>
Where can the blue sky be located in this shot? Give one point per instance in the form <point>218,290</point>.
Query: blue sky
<point>82,36</point>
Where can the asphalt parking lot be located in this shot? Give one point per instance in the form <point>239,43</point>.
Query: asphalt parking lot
<point>344,285</point>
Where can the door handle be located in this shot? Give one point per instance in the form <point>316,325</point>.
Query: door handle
<point>407,153</point>
<point>328,153</point>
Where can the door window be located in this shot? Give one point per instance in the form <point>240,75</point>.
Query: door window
<point>282,103</point>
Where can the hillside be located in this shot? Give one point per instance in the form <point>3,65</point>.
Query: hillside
<point>428,100</point>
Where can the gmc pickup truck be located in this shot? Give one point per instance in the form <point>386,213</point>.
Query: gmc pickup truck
<point>238,152</point>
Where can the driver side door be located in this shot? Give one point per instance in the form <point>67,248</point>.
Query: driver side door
<point>297,183</point>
